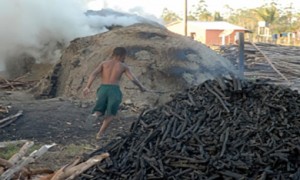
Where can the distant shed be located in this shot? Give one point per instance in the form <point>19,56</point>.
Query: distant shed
<point>210,33</point>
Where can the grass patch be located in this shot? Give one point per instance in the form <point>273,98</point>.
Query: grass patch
<point>9,151</point>
<point>75,149</point>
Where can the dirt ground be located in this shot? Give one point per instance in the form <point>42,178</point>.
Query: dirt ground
<point>60,121</point>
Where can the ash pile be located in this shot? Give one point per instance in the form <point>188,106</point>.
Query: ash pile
<point>222,129</point>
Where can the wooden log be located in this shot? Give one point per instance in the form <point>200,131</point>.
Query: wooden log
<point>8,174</point>
<point>1,170</point>
<point>22,152</point>
<point>5,163</point>
<point>70,172</point>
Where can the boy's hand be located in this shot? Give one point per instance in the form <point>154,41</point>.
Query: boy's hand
<point>86,91</point>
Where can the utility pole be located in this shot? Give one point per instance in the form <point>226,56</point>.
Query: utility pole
<point>241,54</point>
<point>185,17</point>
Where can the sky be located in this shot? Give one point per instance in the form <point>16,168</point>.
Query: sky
<point>156,7</point>
<point>34,27</point>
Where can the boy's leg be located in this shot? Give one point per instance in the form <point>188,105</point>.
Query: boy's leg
<point>113,102</point>
<point>97,114</point>
<point>100,106</point>
<point>107,120</point>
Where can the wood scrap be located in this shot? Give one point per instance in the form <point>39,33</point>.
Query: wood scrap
<point>4,109</point>
<point>5,163</point>
<point>72,170</point>
<point>17,168</point>
<point>15,84</point>
<point>8,83</point>
<point>10,119</point>
<point>22,152</point>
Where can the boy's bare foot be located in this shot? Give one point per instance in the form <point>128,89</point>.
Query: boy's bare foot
<point>102,137</point>
<point>98,136</point>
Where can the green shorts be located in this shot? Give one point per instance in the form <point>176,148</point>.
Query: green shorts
<point>109,97</point>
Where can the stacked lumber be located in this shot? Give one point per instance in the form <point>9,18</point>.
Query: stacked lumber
<point>222,129</point>
<point>279,64</point>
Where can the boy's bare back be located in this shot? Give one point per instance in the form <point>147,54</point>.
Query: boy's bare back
<point>111,71</point>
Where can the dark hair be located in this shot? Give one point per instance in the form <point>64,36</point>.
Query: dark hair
<point>119,51</point>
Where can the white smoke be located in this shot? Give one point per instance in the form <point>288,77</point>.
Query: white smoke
<point>35,27</point>
<point>41,28</point>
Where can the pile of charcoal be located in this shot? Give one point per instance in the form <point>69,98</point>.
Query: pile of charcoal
<point>222,129</point>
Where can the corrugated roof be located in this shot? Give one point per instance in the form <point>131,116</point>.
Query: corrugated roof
<point>214,25</point>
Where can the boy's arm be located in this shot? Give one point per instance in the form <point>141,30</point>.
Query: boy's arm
<point>133,79</point>
<point>92,77</point>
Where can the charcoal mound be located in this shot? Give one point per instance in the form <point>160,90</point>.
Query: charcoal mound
<point>222,129</point>
<point>162,61</point>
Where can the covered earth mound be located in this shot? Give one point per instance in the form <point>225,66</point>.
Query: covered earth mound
<point>223,129</point>
<point>163,61</point>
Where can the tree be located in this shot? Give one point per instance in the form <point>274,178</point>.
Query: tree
<point>169,16</point>
<point>201,13</point>
<point>218,17</point>
<point>268,13</point>
<point>244,17</point>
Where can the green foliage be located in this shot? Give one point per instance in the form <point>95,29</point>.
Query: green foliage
<point>268,13</point>
<point>9,151</point>
<point>218,17</point>
<point>191,18</point>
<point>201,13</point>
<point>170,16</point>
<point>280,19</point>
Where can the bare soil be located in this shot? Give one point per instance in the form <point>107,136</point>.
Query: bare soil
<point>60,121</point>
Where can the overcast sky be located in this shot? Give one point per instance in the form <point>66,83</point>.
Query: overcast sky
<point>155,7</point>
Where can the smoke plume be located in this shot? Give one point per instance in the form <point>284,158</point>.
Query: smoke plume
<point>40,29</point>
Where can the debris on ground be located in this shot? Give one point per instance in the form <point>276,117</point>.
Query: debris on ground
<point>220,129</point>
<point>16,84</point>
<point>4,110</point>
<point>10,119</point>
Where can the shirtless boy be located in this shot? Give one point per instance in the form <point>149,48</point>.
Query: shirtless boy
<point>109,95</point>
